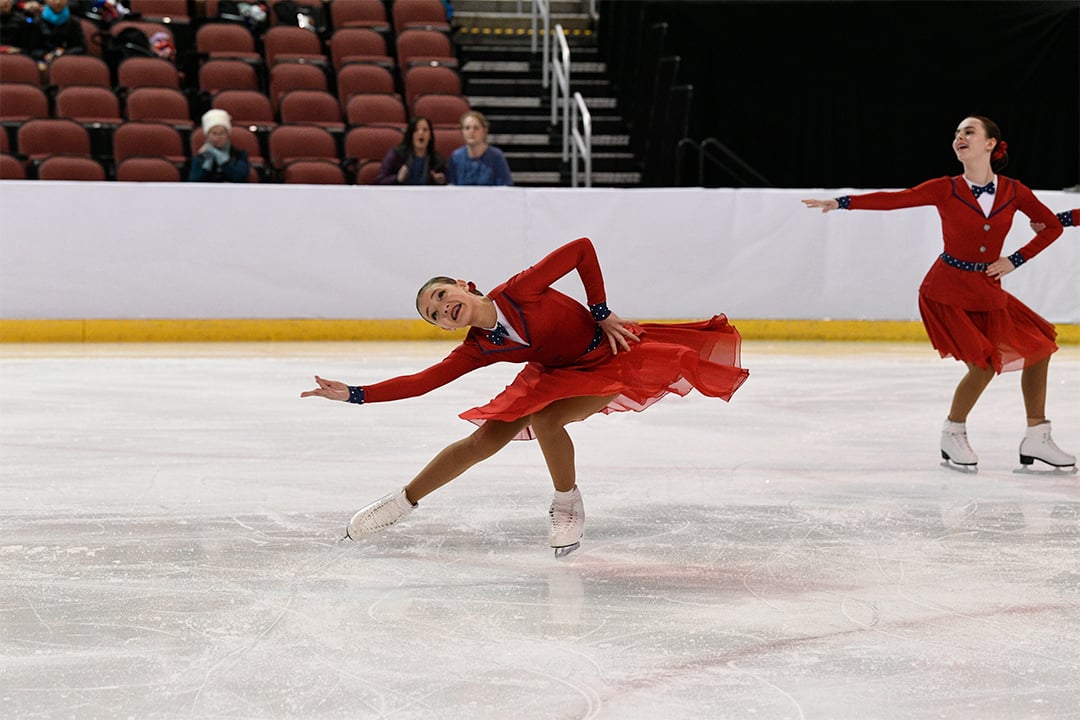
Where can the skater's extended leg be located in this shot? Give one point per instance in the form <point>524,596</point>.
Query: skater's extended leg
<point>453,460</point>
<point>457,457</point>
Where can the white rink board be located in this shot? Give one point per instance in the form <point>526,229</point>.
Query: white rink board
<point>205,251</point>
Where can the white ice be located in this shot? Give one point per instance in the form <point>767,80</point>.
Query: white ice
<point>170,516</point>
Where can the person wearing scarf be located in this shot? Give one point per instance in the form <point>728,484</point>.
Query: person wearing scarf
<point>54,33</point>
<point>217,160</point>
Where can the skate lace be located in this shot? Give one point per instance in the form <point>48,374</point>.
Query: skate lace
<point>959,437</point>
<point>563,517</point>
<point>1046,439</point>
<point>381,516</point>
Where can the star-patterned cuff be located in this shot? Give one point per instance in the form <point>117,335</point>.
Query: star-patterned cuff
<point>844,201</point>
<point>356,394</point>
<point>1066,218</point>
<point>1016,259</point>
<point>599,311</point>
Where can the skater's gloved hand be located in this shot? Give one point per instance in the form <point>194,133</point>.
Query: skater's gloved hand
<point>618,333</point>
<point>329,389</point>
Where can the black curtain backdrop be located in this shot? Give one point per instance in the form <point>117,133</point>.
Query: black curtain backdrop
<point>865,93</point>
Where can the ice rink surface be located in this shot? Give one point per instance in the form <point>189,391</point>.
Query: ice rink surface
<point>170,515</point>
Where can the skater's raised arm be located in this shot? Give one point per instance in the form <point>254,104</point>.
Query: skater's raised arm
<point>577,255</point>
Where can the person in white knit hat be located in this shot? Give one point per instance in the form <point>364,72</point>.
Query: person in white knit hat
<point>217,159</point>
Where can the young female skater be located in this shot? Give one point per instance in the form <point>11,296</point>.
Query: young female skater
<point>580,361</point>
<point>964,309</point>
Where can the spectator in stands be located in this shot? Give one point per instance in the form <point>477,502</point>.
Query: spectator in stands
<point>414,161</point>
<point>218,160</point>
<point>477,163</point>
<point>14,25</point>
<point>54,32</point>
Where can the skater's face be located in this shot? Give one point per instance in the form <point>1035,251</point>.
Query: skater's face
<point>450,306</point>
<point>970,140</point>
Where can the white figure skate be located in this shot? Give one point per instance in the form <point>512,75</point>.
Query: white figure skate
<point>379,515</point>
<point>956,451</point>
<point>1038,445</point>
<point>567,522</point>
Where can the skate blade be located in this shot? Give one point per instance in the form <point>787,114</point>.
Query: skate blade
<point>966,469</point>
<point>1048,470</point>
<point>566,550</point>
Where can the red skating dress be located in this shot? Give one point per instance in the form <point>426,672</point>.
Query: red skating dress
<point>567,355</point>
<point>966,313</point>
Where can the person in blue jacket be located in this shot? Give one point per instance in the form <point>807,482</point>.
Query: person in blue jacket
<point>477,162</point>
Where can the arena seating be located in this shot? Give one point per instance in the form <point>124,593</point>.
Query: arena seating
<point>134,115</point>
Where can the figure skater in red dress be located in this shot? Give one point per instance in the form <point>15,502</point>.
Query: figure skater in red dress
<point>578,361</point>
<point>966,313</point>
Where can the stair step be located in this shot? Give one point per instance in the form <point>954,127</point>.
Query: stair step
<point>517,46</point>
<point>552,148</point>
<point>481,33</point>
<point>550,178</point>
<point>571,22</point>
<point>593,103</point>
<point>541,123</point>
<point>578,84</point>
<point>556,7</point>
<point>529,66</point>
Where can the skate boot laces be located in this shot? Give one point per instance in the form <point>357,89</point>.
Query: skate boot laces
<point>1039,445</point>
<point>379,515</point>
<point>955,447</point>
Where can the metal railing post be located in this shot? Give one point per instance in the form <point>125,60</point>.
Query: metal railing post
<point>541,11</point>
<point>581,141</point>
<point>560,69</point>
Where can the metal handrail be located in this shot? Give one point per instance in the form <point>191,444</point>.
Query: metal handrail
<point>541,10</point>
<point>560,69</point>
<point>582,141</point>
<point>703,153</point>
<point>723,149</point>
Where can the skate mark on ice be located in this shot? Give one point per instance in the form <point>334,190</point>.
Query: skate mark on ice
<point>945,614</point>
<point>795,703</point>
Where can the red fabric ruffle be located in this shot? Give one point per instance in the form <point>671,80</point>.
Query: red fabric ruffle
<point>670,358</point>
<point>1007,339</point>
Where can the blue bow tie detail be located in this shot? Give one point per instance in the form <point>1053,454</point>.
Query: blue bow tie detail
<point>978,190</point>
<point>498,334</point>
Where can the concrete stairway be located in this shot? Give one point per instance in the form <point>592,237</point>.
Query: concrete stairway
<point>503,79</point>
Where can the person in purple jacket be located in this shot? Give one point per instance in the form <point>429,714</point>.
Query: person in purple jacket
<point>414,161</point>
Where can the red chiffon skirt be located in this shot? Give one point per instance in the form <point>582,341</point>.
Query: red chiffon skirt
<point>1007,339</point>
<point>670,358</point>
